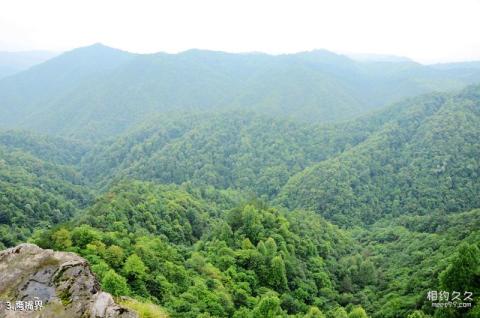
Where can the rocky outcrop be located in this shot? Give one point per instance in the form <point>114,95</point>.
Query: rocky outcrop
<point>44,283</point>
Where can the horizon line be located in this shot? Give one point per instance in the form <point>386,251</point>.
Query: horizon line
<point>355,56</point>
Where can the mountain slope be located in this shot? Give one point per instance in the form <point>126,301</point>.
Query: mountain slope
<point>170,197</point>
<point>28,93</point>
<point>52,149</point>
<point>172,247</point>
<point>424,160</point>
<point>240,150</point>
<point>14,62</point>
<point>95,92</point>
<point>38,186</point>
<point>410,253</point>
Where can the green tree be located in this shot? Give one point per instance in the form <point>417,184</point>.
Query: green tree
<point>114,255</point>
<point>463,273</point>
<point>267,307</point>
<point>338,312</point>
<point>115,284</point>
<point>62,239</point>
<point>271,247</point>
<point>101,268</point>
<point>366,273</point>
<point>83,235</point>
<point>417,314</point>
<point>134,267</point>
<point>314,312</point>
<point>278,276</point>
<point>357,312</point>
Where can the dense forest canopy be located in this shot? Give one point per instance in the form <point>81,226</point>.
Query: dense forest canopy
<point>422,162</point>
<point>210,184</point>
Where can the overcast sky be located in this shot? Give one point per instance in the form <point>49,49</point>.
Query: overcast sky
<point>424,30</point>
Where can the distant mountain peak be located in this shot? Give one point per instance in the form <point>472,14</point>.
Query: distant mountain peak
<point>99,44</point>
<point>104,57</point>
<point>97,47</point>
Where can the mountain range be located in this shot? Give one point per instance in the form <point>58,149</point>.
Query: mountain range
<point>211,184</point>
<point>15,62</point>
<point>97,91</point>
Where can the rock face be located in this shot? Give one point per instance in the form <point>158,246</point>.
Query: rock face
<point>56,284</point>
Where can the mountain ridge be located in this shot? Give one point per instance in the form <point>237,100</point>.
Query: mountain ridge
<point>435,137</point>
<point>97,90</point>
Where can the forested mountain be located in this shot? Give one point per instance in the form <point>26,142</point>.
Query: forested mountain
<point>97,91</point>
<point>14,62</point>
<point>37,186</point>
<point>416,254</point>
<point>244,151</point>
<point>29,94</point>
<point>424,160</point>
<point>251,261</point>
<point>48,148</point>
<point>207,184</point>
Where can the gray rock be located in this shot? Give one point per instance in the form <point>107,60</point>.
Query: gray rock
<point>63,282</point>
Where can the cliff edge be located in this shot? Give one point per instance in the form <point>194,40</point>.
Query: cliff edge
<point>43,283</point>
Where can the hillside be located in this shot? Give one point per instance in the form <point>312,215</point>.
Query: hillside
<point>38,186</point>
<point>208,184</point>
<point>97,91</point>
<point>239,150</point>
<point>14,62</point>
<point>201,256</point>
<point>37,89</point>
<point>423,160</point>
<point>416,254</point>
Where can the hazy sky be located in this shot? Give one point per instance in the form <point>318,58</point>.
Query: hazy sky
<point>425,30</point>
